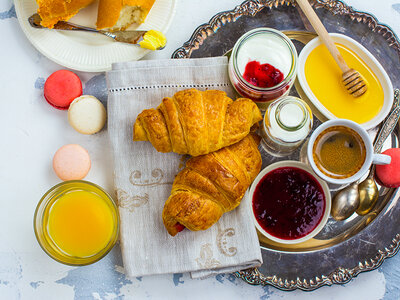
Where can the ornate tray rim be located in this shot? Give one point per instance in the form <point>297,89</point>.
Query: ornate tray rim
<point>250,8</point>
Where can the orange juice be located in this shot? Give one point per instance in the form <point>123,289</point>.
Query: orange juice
<point>76,222</point>
<point>324,78</point>
<point>80,223</point>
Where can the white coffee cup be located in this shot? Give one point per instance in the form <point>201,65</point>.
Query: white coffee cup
<point>370,157</point>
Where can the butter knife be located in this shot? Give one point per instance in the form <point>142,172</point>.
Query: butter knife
<point>130,37</point>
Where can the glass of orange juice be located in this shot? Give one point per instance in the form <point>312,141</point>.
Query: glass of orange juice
<point>76,222</point>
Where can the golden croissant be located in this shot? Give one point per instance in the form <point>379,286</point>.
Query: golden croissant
<point>211,185</point>
<point>196,123</point>
<point>52,11</point>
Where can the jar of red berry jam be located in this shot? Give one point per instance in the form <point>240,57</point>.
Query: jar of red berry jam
<point>263,65</point>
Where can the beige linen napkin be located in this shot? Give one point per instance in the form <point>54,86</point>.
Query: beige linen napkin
<point>143,177</point>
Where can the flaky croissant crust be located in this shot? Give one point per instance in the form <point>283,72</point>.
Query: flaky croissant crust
<point>211,185</point>
<point>196,122</point>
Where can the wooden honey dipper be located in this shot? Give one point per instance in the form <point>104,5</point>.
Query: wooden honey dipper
<point>352,79</point>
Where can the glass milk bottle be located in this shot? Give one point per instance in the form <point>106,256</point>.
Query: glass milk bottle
<point>287,123</point>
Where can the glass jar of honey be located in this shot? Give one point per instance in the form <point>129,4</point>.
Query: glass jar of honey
<point>287,122</point>
<point>76,222</point>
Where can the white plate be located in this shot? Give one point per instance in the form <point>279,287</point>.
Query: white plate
<point>89,52</point>
<point>368,58</point>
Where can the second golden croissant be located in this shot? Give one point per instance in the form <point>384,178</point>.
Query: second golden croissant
<point>196,122</point>
<point>211,185</point>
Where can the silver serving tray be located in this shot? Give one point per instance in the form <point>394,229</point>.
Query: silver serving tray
<point>343,249</point>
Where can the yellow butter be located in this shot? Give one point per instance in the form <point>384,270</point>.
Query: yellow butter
<point>153,40</point>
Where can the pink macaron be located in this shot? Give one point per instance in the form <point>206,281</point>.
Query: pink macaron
<point>389,175</point>
<point>71,162</point>
<point>61,88</point>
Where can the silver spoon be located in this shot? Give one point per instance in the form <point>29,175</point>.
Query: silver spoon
<point>130,37</point>
<point>363,196</point>
<point>369,194</point>
<point>345,202</point>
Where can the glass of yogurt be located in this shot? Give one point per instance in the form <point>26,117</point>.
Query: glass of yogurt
<point>263,65</point>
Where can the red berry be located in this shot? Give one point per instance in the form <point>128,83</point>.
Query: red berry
<point>262,75</point>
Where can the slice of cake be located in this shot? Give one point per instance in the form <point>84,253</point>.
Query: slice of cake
<point>116,15</point>
<point>52,11</point>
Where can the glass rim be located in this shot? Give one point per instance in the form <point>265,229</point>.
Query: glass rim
<point>263,30</point>
<point>295,101</point>
<point>43,204</point>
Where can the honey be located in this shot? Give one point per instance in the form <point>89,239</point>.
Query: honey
<point>324,78</point>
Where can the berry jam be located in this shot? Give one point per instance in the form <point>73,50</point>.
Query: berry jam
<point>262,75</point>
<point>288,203</point>
<point>179,227</point>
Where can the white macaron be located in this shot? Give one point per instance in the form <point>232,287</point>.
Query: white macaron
<point>87,115</point>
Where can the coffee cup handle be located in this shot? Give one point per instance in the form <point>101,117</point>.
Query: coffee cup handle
<point>381,159</point>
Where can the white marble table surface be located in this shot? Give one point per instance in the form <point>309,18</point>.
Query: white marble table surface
<point>31,131</point>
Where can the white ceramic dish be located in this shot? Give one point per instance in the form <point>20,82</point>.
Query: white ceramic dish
<point>367,57</point>
<point>89,52</point>
<point>307,168</point>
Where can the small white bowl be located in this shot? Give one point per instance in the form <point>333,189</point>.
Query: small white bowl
<point>325,188</point>
<point>367,57</point>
